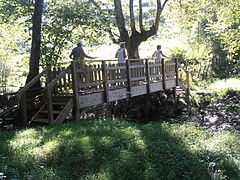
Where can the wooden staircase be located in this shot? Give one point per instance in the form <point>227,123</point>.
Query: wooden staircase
<point>50,104</point>
<point>61,107</point>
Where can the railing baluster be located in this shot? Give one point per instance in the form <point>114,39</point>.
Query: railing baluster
<point>163,75</point>
<point>129,81</point>
<point>105,81</point>
<point>176,70</point>
<point>148,76</point>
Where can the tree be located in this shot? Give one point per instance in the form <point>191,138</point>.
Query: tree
<point>135,36</point>
<point>67,21</point>
<point>36,42</point>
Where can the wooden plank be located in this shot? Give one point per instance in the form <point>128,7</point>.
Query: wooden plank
<point>155,87</point>
<point>89,84</point>
<point>170,83</point>
<point>70,79</point>
<point>105,81</point>
<point>49,105</point>
<point>65,81</point>
<point>129,81</point>
<point>100,75</point>
<point>87,100</point>
<point>49,76</point>
<point>76,112</point>
<point>41,120</point>
<point>163,75</point>
<point>137,66</point>
<point>112,68</point>
<point>32,82</point>
<point>41,108</point>
<point>139,90</point>
<point>118,94</point>
<point>91,99</point>
<point>66,110</point>
<point>23,102</point>
<point>139,78</point>
<point>60,83</point>
<point>148,76</point>
<point>156,64</point>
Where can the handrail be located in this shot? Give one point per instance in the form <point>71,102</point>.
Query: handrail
<point>32,82</point>
<point>56,79</point>
<point>100,60</point>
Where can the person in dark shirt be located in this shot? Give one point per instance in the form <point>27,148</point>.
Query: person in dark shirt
<point>78,53</point>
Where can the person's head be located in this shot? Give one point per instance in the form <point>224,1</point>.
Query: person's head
<point>122,44</point>
<point>79,42</point>
<point>158,47</point>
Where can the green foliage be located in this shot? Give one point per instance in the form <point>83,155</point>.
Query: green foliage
<point>216,90</point>
<point>67,21</point>
<point>116,149</point>
<point>14,10</point>
<point>13,49</point>
<point>63,23</point>
<point>211,30</point>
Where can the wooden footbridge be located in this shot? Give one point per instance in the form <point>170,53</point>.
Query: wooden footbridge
<point>68,88</point>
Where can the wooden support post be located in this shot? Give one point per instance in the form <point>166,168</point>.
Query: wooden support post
<point>188,90</point>
<point>49,75</point>
<point>105,81</point>
<point>23,102</point>
<point>188,82</point>
<point>129,81</point>
<point>49,105</point>
<point>176,70</point>
<point>148,76</point>
<point>163,75</point>
<point>76,107</point>
<point>174,93</point>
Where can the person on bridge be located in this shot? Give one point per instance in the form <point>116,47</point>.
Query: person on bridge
<point>78,53</point>
<point>121,53</point>
<point>158,54</point>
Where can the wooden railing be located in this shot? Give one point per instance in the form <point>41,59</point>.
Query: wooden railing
<point>21,95</point>
<point>102,75</point>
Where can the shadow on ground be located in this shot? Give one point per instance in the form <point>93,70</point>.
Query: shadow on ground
<point>114,149</point>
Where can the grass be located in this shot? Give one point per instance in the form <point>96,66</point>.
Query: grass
<point>115,149</point>
<point>217,90</point>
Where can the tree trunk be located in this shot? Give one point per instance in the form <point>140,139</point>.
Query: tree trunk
<point>135,37</point>
<point>36,42</point>
<point>132,48</point>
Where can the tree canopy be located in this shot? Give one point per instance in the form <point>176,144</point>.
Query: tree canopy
<point>210,27</point>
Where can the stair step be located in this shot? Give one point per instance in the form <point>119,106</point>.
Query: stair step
<point>54,112</point>
<point>61,99</point>
<point>59,103</point>
<point>40,120</point>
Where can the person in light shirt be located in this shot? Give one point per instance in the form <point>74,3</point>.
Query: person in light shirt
<point>158,54</point>
<point>121,53</point>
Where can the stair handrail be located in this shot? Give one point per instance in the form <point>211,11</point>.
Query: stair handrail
<point>31,83</point>
<point>21,95</point>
